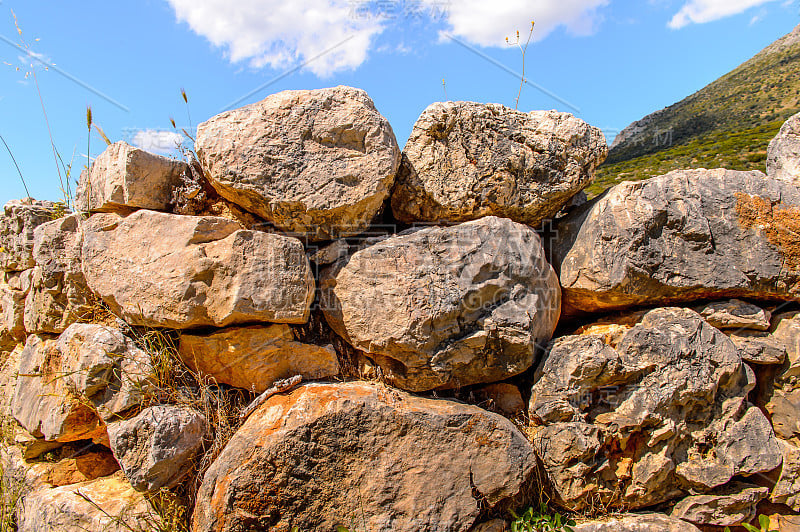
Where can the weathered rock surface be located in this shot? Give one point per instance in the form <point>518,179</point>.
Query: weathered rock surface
<point>12,311</point>
<point>637,523</point>
<point>663,413</point>
<point>466,160</point>
<point>736,504</point>
<point>687,235</point>
<point>368,449</point>
<point>502,397</point>
<point>42,403</point>
<point>318,162</point>
<point>446,307</point>
<point>155,448</point>
<point>164,270</point>
<point>114,507</point>
<point>124,177</point>
<point>784,405</point>
<point>758,348</point>
<point>255,357</point>
<point>783,154</point>
<point>787,489</point>
<point>104,367</point>
<point>59,295</point>
<point>735,314</point>
<point>81,468</point>
<point>19,220</point>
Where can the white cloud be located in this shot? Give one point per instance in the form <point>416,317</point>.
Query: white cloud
<point>702,11</point>
<point>155,140</point>
<point>488,23</point>
<point>282,33</point>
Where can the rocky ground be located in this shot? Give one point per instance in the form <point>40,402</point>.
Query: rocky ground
<point>305,329</point>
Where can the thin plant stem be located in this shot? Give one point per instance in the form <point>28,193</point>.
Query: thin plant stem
<point>15,164</point>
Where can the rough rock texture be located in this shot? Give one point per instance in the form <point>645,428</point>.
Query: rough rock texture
<point>446,307</point>
<point>59,295</point>
<point>784,405</point>
<point>42,402</point>
<point>17,223</point>
<point>124,177</point>
<point>255,357</point>
<point>115,507</point>
<point>164,270</point>
<point>758,347</point>
<point>359,453</point>
<point>81,468</point>
<point>783,154</point>
<point>466,160</point>
<point>502,397</point>
<point>12,310</point>
<point>736,504</point>
<point>637,523</point>
<point>787,489</point>
<point>318,162</point>
<point>663,413</point>
<point>105,367</point>
<point>155,448</point>
<point>735,314</point>
<point>687,235</point>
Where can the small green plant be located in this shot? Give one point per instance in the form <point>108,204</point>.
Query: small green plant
<point>11,491</point>
<point>540,521</point>
<point>763,525</point>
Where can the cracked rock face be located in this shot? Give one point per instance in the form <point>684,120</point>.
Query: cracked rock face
<point>637,523</point>
<point>663,413</point>
<point>446,307</point>
<point>466,160</point>
<point>319,163</point>
<point>687,235</point>
<point>166,270</point>
<point>327,454</point>
<point>734,505</point>
<point>124,177</point>
<point>19,219</point>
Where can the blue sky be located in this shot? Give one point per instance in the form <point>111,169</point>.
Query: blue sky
<point>610,62</point>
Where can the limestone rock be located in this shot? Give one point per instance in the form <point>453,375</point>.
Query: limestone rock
<point>466,160</point>
<point>81,468</point>
<point>784,405</point>
<point>164,270</point>
<point>319,162</point>
<point>446,307</point>
<point>502,397</point>
<point>105,367</point>
<point>42,403</point>
<point>687,235</point>
<point>155,448</point>
<point>663,413</point>
<point>59,295</point>
<point>124,177</point>
<point>255,357</point>
<point>736,504</point>
<point>787,489</point>
<point>758,347</point>
<point>114,507</point>
<point>12,311</point>
<point>17,223</point>
<point>735,314</point>
<point>637,523</point>
<point>369,450</point>
<point>783,154</point>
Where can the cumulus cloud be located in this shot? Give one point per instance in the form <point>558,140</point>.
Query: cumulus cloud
<point>702,11</point>
<point>155,140</point>
<point>330,35</point>
<point>489,23</point>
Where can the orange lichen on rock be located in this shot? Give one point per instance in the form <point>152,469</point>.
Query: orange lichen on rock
<point>780,223</point>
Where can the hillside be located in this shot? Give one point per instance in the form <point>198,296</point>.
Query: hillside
<point>728,123</point>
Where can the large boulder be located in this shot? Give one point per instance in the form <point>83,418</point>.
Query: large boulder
<point>58,295</point>
<point>107,504</point>
<point>124,177</point>
<point>783,154</point>
<point>165,270</point>
<point>255,357</point>
<point>17,223</point>
<point>358,454</point>
<point>687,235</point>
<point>662,414</point>
<point>733,505</point>
<point>156,448</point>
<point>466,160</point>
<point>446,307</point>
<point>315,162</point>
<point>66,387</point>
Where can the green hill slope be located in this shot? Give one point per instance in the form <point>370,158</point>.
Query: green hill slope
<point>728,123</point>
